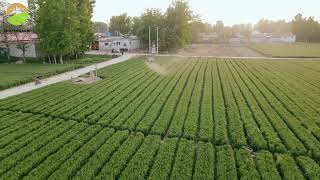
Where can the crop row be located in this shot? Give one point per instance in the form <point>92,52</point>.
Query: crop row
<point>66,149</point>
<point>294,99</point>
<point>39,100</point>
<point>43,92</point>
<point>295,92</point>
<point>303,134</point>
<point>224,102</point>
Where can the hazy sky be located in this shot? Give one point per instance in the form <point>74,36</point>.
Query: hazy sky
<point>230,11</point>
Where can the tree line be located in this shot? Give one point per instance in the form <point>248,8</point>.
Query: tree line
<point>175,25</point>
<point>179,27</point>
<point>64,27</point>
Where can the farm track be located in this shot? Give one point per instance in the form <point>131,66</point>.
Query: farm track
<point>206,118</point>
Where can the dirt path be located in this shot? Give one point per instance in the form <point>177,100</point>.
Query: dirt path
<point>223,50</point>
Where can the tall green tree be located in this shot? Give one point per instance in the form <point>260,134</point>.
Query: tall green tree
<point>121,23</point>
<point>152,18</point>
<point>179,28</point>
<point>199,28</point>
<point>64,27</point>
<point>100,27</point>
<point>306,29</point>
<point>273,27</point>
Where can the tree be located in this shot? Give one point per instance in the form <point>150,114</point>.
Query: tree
<point>152,18</point>
<point>306,29</point>
<point>273,27</point>
<point>121,23</point>
<point>85,26</point>
<point>100,27</point>
<point>64,27</point>
<point>179,28</point>
<point>198,28</point>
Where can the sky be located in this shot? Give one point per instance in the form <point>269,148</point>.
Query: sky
<point>230,11</point>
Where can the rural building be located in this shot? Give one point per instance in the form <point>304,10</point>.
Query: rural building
<point>257,37</point>
<point>29,39</point>
<point>116,43</point>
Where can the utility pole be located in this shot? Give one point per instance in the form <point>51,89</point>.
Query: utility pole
<point>157,40</point>
<point>149,40</point>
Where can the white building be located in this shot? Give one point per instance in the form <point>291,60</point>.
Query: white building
<point>29,39</point>
<point>258,37</point>
<point>119,43</point>
<point>282,39</point>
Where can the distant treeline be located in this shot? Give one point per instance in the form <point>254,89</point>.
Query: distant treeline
<point>179,26</point>
<point>175,30</point>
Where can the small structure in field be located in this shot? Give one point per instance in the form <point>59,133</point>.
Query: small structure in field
<point>87,79</point>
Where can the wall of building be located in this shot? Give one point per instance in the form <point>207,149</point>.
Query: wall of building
<point>117,44</point>
<point>30,50</point>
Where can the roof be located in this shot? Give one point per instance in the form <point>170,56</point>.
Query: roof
<point>19,36</point>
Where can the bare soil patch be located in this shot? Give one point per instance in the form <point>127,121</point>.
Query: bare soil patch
<point>219,50</point>
<point>86,80</point>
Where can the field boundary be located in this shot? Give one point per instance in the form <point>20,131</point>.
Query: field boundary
<point>226,57</point>
<point>281,57</point>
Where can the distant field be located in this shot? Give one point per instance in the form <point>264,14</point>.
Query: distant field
<point>288,50</point>
<point>169,119</point>
<point>17,74</point>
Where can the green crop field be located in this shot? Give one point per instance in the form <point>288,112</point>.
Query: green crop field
<point>303,50</point>
<point>194,119</point>
<point>16,74</point>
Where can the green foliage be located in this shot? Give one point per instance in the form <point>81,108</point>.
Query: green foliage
<point>64,27</point>
<point>309,166</point>
<point>164,159</point>
<point>226,165</point>
<point>175,29</point>
<point>205,162</point>
<point>179,18</point>
<point>121,24</point>
<point>182,167</point>
<point>288,167</point>
<point>13,75</point>
<point>100,27</point>
<point>273,27</point>
<point>306,29</point>
<point>245,162</point>
<point>267,166</point>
